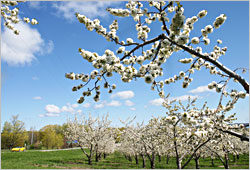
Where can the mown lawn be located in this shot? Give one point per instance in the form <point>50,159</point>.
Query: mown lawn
<point>74,159</point>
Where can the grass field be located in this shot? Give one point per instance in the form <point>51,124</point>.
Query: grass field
<point>74,159</point>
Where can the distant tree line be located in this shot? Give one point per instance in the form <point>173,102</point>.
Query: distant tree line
<point>14,134</point>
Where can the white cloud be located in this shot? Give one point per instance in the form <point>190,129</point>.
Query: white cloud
<point>21,49</point>
<point>35,4</point>
<point>51,115</point>
<point>114,103</point>
<point>41,115</point>
<point>184,97</point>
<point>79,111</point>
<point>74,105</point>
<point>129,103</point>
<point>123,94</point>
<point>99,106</point>
<point>157,102</point>
<point>68,109</point>
<point>90,9</point>
<point>49,47</point>
<point>201,89</point>
<point>86,105</point>
<point>35,78</point>
<point>37,98</point>
<point>132,108</point>
<point>50,108</point>
<point>54,111</point>
<point>51,111</point>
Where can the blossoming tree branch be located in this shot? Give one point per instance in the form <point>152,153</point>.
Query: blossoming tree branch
<point>9,12</point>
<point>149,63</point>
<point>173,38</point>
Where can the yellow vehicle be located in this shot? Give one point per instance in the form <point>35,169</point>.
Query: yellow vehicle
<point>18,149</point>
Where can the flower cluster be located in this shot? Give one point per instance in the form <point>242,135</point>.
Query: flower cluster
<point>202,13</point>
<point>119,12</point>
<point>219,20</point>
<point>186,60</point>
<point>10,16</point>
<point>177,22</point>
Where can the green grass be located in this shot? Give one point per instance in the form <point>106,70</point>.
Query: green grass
<point>74,159</point>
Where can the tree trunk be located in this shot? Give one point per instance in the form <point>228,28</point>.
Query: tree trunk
<point>90,155</point>
<point>89,161</point>
<point>143,161</point>
<point>167,159</point>
<point>226,161</point>
<point>159,158</point>
<point>212,162</point>
<point>178,163</point>
<point>197,163</point>
<point>238,156</point>
<point>129,158</point>
<point>152,161</point>
<point>136,159</point>
<point>100,156</point>
<point>96,158</point>
<point>234,160</point>
<point>104,155</point>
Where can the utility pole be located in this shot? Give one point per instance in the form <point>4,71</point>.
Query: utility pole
<point>32,134</point>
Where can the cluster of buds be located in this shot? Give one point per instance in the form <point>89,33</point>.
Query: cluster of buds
<point>186,60</point>
<point>10,16</point>
<point>189,25</point>
<point>119,12</point>
<point>177,22</point>
<point>202,14</point>
<point>219,20</point>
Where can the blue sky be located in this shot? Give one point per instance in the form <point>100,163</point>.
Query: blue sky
<point>34,63</point>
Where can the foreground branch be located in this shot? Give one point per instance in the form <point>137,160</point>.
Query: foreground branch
<point>220,66</point>
<point>242,137</point>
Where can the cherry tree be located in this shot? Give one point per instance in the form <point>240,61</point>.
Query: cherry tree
<point>9,12</point>
<point>224,145</point>
<point>130,142</point>
<point>193,128</point>
<point>153,140</point>
<point>91,133</point>
<point>108,145</point>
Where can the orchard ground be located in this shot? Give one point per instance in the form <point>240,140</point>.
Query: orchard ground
<point>75,159</point>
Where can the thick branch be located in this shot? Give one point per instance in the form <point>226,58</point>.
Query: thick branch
<point>242,137</point>
<point>84,151</point>
<point>220,66</point>
<point>191,157</point>
<point>217,155</point>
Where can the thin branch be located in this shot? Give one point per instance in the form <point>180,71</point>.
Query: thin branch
<point>141,45</point>
<point>157,50</point>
